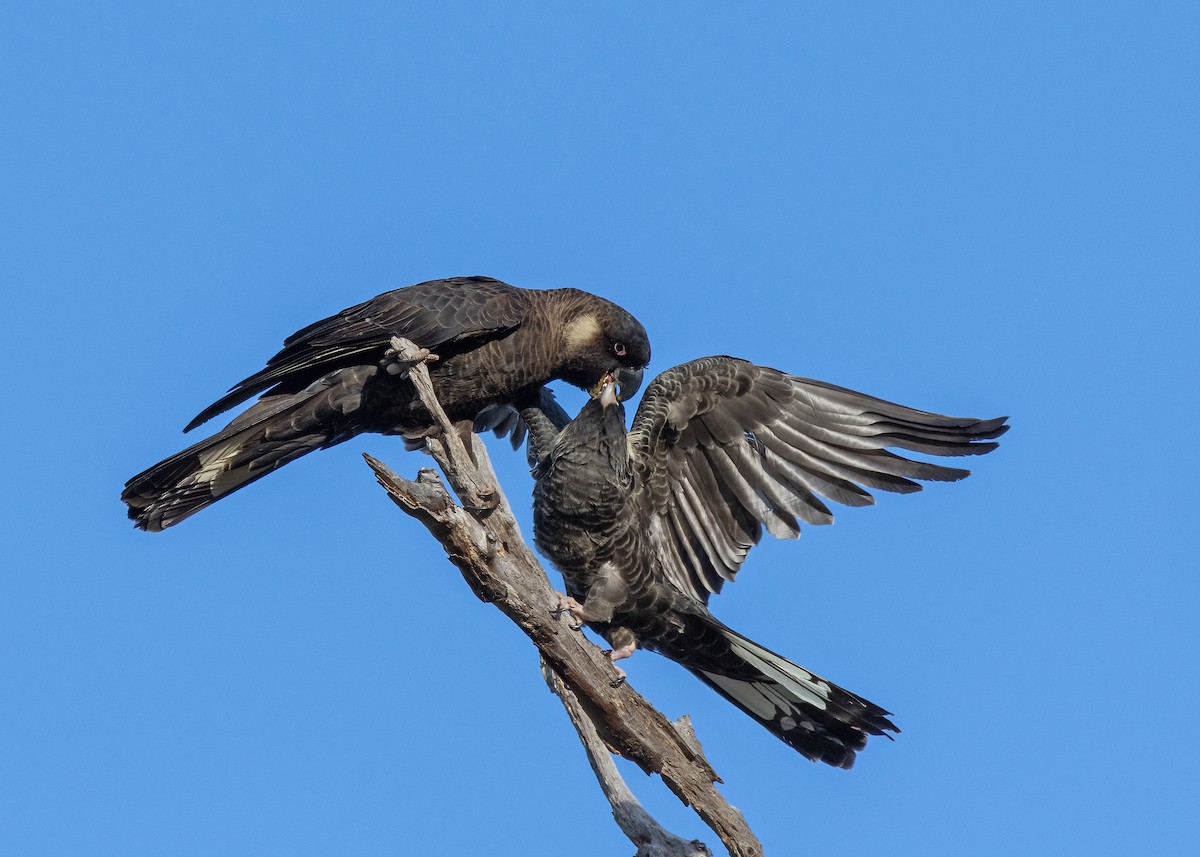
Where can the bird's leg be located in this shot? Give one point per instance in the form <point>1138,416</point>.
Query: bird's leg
<point>622,639</point>
<point>624,644</point>
<point>624,652</point>
<point>568,605</point>
<point>615,655</point>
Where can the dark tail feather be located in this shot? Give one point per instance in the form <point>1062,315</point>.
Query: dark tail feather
<point>819,719</point>
<point>274,431</point>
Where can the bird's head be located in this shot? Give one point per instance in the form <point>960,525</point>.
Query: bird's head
<point>602,418</point>
<point>601,339</point>
<point>588,471</point>
<point>596,438</point>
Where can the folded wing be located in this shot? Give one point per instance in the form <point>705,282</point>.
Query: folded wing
<point>433,314</point>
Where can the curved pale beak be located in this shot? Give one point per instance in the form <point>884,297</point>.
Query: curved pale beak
<point>629,380</point>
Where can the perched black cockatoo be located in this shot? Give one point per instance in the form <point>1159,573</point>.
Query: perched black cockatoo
<point>497,346</point>
<point>645,526</point>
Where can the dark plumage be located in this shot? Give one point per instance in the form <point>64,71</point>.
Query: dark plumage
<point>498,345</point>
<point>646,526</point>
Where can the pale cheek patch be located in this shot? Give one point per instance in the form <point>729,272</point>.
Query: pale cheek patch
<point>580,332</point>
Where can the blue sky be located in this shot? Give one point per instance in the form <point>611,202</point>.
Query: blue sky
<point>966,209</point>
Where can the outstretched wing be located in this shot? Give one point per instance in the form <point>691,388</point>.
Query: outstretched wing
<point>723,448</point>
<point>433,314</point>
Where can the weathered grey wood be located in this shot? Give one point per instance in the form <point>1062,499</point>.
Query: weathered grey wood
<point>446,443</point>
<point>651,838</point>
<point>501,569</point>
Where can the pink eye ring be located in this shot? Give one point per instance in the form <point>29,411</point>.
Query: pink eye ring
<point>619,349</point>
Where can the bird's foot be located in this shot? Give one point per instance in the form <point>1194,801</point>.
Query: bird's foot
<point>623,652</point>
<point>619,654</point>
<point>403,355</point>
<point>567,604</point>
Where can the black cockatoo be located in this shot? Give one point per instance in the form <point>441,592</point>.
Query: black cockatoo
<point>498,345</point>
<point>645,526</point>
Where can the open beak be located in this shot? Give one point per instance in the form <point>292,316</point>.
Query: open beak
<point>608,394</point>
<point>629,380</point>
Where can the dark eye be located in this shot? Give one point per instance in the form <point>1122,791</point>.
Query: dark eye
<point>619,349</point>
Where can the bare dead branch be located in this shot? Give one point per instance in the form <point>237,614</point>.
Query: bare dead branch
<point>501,569</point>
<point>446,446</point>
<point>651,838</point>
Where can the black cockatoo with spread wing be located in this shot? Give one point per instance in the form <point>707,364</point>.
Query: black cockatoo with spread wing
<point>646,525</point>
<point>497,347</point>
